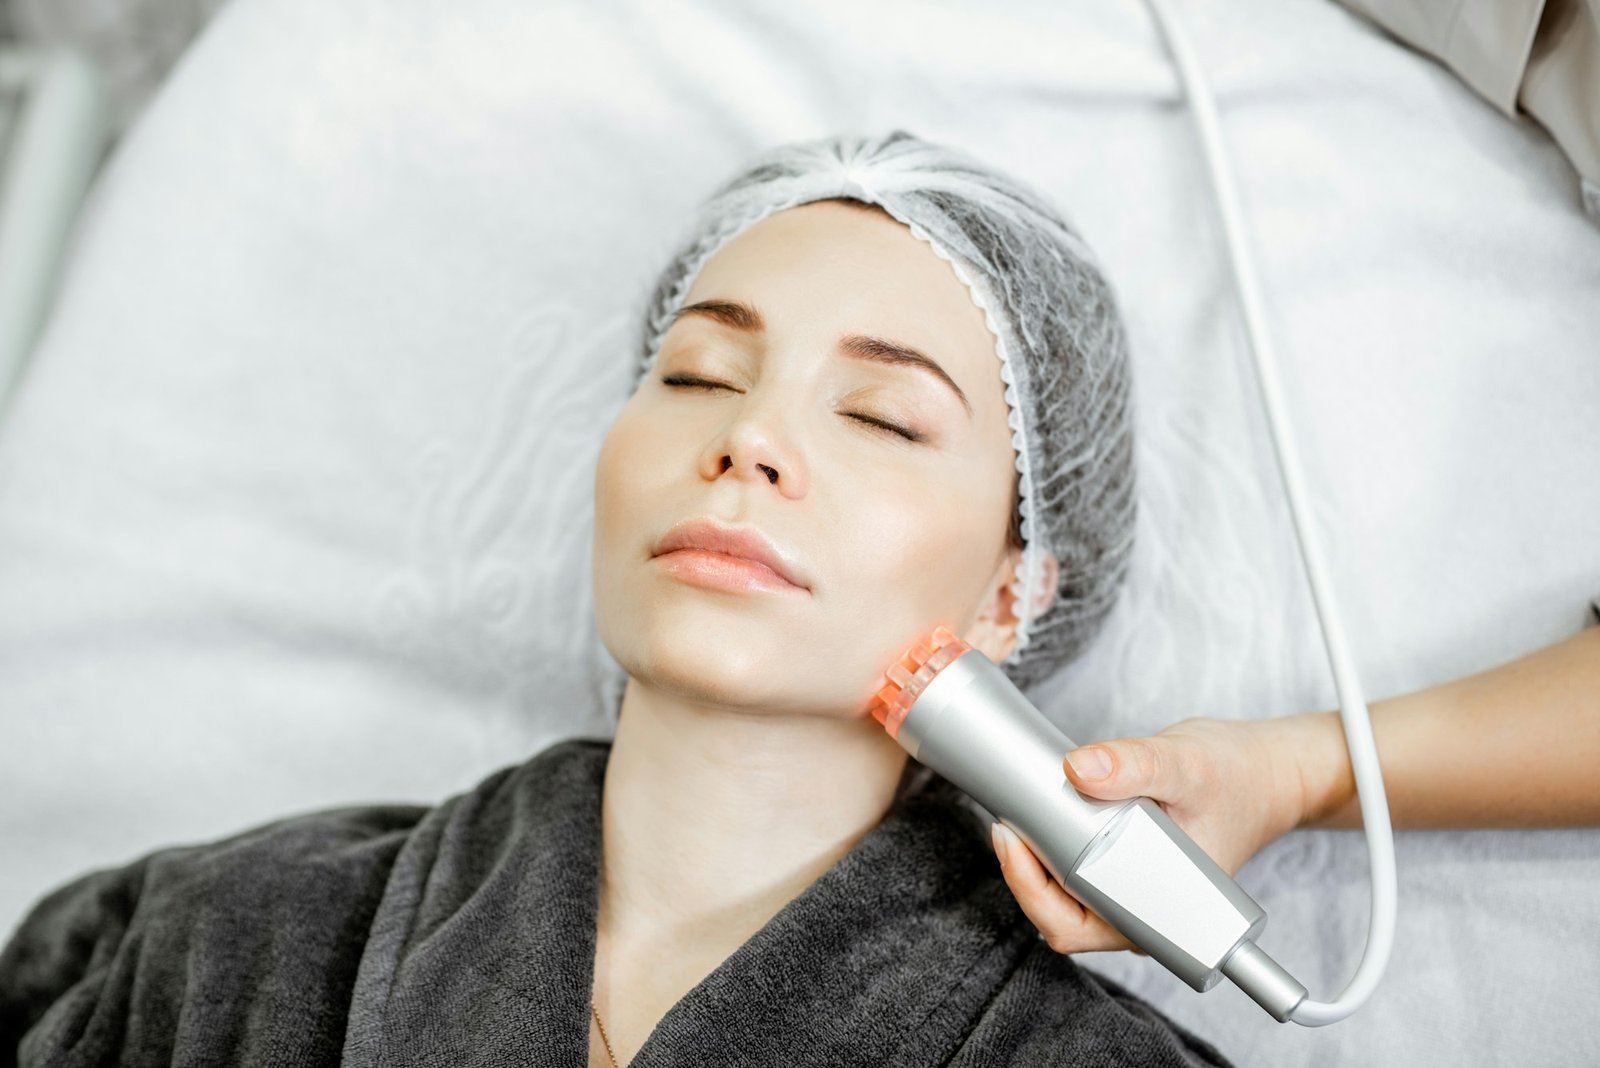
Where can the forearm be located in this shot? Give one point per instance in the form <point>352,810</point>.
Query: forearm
<point>1515,746</point>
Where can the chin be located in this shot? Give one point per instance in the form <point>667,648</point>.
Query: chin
<point>727,650</point>
<point>725,661</point>
<point>693,678</point>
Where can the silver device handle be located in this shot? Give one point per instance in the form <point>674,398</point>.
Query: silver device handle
<point>1126,860</point>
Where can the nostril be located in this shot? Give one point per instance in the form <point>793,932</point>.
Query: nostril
<point>772,475</point>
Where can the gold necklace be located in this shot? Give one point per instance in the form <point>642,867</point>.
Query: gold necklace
<point>603,1037</point>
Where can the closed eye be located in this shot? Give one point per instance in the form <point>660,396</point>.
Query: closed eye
<point>690,382</point>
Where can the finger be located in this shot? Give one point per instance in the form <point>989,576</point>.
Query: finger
<point>1064,923</point>
<point>1131,767</point>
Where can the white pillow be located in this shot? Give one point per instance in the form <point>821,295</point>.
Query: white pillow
<point>295,501</point>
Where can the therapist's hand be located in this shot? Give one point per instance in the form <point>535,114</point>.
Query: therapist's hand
<point>1233,786</point>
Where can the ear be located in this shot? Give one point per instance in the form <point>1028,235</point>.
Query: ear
<point>995,631</point>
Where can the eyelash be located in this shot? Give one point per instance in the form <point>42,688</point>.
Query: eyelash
<point>691,382</point>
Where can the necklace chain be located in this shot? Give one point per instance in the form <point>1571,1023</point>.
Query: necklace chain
<point>603,1036</point>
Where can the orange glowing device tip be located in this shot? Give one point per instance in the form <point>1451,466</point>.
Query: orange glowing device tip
<point>910,675</point>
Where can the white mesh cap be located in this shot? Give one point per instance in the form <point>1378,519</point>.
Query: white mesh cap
<point>1058,334</point>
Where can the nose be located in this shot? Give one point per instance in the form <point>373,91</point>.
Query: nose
<point>757,446</point>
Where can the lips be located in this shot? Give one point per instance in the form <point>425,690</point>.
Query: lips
<point>746,543</point>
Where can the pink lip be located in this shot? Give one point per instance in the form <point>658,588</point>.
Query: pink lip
<point>707,553</point>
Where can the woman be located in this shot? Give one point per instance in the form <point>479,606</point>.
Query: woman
<point>883,389</point>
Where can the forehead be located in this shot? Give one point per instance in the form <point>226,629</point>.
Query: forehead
<point>829,269</point>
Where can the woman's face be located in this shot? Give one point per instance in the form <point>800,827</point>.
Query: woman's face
<point>771,410</point>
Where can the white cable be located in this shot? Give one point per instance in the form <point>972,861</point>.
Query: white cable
<point>1352,706</point>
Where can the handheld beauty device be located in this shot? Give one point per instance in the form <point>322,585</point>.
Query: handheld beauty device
<point>954,710</point>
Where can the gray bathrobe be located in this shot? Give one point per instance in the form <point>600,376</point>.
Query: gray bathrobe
<point>464,935</point>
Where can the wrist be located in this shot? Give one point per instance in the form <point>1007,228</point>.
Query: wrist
<point>1322,765</point>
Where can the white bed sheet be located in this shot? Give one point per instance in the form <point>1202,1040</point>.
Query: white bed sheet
<point>294,503</point>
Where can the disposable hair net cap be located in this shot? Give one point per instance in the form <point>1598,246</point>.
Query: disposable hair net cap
<point>1058,334</point>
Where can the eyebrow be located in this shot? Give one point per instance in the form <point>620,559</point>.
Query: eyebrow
<point>747,319</point>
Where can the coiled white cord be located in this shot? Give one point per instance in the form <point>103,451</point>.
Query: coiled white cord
<point>1352,706</point>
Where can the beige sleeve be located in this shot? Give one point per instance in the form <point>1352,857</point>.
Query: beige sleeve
<point>1541,55</point>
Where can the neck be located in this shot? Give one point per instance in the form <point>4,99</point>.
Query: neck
<point>714,818</point>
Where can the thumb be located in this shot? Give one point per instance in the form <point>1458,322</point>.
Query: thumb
<point>1127,767</point>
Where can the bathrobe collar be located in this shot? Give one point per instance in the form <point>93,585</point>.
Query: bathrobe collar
<point>482,949</point>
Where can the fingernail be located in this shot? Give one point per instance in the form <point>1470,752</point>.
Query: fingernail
<point>1002,842</point>
<point>1090,763</point>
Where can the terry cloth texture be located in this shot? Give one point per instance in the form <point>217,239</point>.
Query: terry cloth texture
<point>464,935</point>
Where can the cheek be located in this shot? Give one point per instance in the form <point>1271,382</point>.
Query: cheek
<point>909,561</point>
<point>633,455</point>
<point>622,496</point>
<point>918,555</point>
<point>608,495</point>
